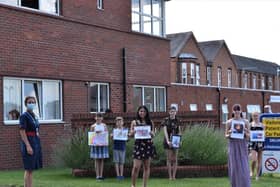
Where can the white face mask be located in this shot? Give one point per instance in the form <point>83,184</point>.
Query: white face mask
<point>31,106</point>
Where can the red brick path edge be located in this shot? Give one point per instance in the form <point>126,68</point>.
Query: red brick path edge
<point>161,171</point>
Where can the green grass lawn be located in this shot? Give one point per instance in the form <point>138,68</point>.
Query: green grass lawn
<point>63,178</point>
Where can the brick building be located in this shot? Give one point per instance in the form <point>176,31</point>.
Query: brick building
<point>78,56</point>
<point>205,76</point>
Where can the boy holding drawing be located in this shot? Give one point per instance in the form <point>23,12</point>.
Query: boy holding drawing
<point>120,136</point>
<point>99,148</point>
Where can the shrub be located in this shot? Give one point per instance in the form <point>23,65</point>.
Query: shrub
<point>203,145</point>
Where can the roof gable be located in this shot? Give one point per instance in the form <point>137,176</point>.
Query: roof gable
<point>210,49</point>
<point>177,42</point>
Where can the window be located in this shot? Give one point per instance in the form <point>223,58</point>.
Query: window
<point>262,83</point>
<point>209,107</point>
<point>193,107</point>
<point>147,16</point>
<point>152,97</point>
<point>254,82</point>
<point>224,113</point>
<point>269,83</point>
<point>219,76</point>
<point>229,78</point>
<point>208,75</point>
<point>46,92</point>
<point>192,73</point>
<point>50,6</point>
<point>100,4</point>
<point>245,83</point>
<point>184,73</point>
<point>197,73</point>
<point>99,97</point>
<point>251,109</point>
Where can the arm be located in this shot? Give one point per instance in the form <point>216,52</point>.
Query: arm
<point>131,133</point>
<point>26,142</point>
<point>166,136</point>
<point>247,130</point>
<point>152,130</point>
<point>227,129</point>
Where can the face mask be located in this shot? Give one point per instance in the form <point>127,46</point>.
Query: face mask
<point>30,106</point>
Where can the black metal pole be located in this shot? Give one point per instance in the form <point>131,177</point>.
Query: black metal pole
<point>124,78</point>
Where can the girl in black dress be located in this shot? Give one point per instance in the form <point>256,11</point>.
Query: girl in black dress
<point>256,148</point>
<point>144,149</point>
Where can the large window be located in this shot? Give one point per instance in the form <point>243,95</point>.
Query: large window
<point>208,75</point>
<point>245,80</point>
<point>50,6</point>
<point>46,92</point>
<point>147,16</point>
<point>197,74</point>
<point>184,73</point>
<point>152,97</point>
<point>224,113</point>
<point>254,82</point>
<point>99,97</point>
<point>219,76</point>
<point>270,87</point>
<point>100,4</point>
<point>262,83</point>
<point>229,78</point>
<point>192,72</point>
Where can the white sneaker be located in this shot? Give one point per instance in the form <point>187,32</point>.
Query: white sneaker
<point>257,178</point>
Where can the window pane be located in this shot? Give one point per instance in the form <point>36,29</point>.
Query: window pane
<point>157,8</point>
<point>157,27</point>
<point>49,6</point>
<point>9,2</point>
<point>12,99</point>
<point>136,5</point>
<point>149,98</point>
<point>160,100</point>
<point>30,3</point>
<point>137,97</point>
<point>104,104</point>
<point>34,88</point>
<point>135,22</point>
<point>93,97</point>
<point>52,100</point>
<point>146,7</point>
<point>147,27</point>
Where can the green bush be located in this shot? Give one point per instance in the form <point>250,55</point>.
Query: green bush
<point>160,158</point>
<point>204,146</point>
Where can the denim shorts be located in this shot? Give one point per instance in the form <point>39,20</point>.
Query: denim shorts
<point>119,156</point>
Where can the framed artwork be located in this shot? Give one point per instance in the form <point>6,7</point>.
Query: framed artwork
<point>142,132</point>
<point>237,129</point>
<point>98,139</point>
<point>257,136</point>
<point>176,141</point>
<point>120,134</point>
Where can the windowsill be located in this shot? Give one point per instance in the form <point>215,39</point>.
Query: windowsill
<point>16,122</point>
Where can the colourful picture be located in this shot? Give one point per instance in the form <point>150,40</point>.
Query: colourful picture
<point>176,141</point>
<point>142,132</point>
<point>237,129</point>
<point>257,136</point>
<point>120,134</point>
<point>98,139</point>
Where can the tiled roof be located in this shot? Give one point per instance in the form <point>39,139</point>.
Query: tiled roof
<point>210,49</point>
<point>177,42</point>
<point>255,65</point>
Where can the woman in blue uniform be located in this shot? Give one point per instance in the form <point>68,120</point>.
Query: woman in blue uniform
<point>30,141</point>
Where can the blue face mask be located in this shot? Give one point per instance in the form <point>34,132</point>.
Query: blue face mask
<point>31,106</point>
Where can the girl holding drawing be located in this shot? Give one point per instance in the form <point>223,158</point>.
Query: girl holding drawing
<point>119,146</point>
<point>256,147</point>
<point>143,130</point>
<point>171,128</point>
<point>237,131</point>
<point>99,152</point>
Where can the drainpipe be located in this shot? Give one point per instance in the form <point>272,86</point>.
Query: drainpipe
<point>219,106</point>
<point>124,78</point>
<point>263,101</point>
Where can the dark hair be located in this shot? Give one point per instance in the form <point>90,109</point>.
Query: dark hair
<point>236,107</point>
<point>147,117</point>
<point>172,108</point>
<point>99,115</point>
<point>27,98</point>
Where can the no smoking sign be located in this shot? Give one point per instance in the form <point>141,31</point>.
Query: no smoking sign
<point>271,164</point>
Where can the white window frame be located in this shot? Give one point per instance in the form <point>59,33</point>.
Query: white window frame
<point>245,81</point>
<point>251,109</point>
<point>193,107</point>
<point>184,79</point>
<point>262,83</point>
<point>229,74</point>
<point>151,17</point>
<point>219,76</point>
<point>192,72</point>
<point>270,84</point>
<point>100,4</point>
<point>23,108</point>
<point>18,4</point>
<point>254,81</point>
<point>98,96</point>
<point>224,113</point>
<point>197,74</point>
<point>208,75</point>
<point>154,88</point>
<point>209,107</point>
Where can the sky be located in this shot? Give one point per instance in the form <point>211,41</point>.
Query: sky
<point>250,28</point>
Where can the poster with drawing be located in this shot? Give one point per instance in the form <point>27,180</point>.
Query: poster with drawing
<point>257,136</point>
<point>142,132</point>
<point>176,141</point>
<point>237,129</point>
<point>98,139</point>
<point>120,134</point>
